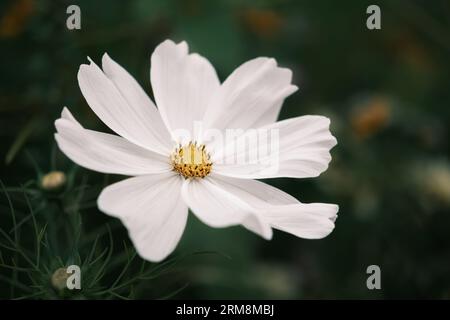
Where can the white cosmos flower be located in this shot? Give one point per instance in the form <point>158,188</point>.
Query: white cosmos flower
<point>153,204</point>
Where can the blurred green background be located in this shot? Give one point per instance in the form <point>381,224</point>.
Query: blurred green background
<point>386,92</point>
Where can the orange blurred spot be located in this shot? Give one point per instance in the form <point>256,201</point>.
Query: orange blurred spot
<point>371,117</point>
<point>15,18</point>
<point>264,23</point>
<point>409,50</point>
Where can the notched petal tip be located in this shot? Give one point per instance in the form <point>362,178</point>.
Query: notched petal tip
<point>82,70</point>
<point>293,88</point>
<point>304,220</point>
<point>326,125</point>
<point>85,67</point>
<point>272,61</point>
<point>67,115</point>
<point>268,235</point>
<point>335,142</point>
<point>169,44</point>
<point>108,63</point>
<point>64,110</point>
<point>60,124</point>
<point>332,137</point>
<point>289,90</point>
<point>183,44</point>
<point>334,211</point>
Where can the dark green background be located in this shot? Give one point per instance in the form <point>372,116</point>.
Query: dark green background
<point>386,92</point>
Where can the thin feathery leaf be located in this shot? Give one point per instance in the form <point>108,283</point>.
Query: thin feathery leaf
<point>100,273</point>
<point>21,139</point>
<point>36,230</point>
<point>172,294</point>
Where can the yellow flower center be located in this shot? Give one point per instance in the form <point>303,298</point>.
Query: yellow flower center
<point>191,161</point>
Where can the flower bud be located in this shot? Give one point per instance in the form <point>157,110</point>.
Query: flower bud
<point>53,180</point>
<point>59,279</point>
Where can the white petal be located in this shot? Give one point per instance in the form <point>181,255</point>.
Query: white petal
<point>257,194</point>
<point>105,152</point>
<point>281,210</point>
<point>270,116</point>
<point>183,85</point>
<point>252,95</point>
<point>297,147</point>
<point>66,114</point>
<point>152,209</point>
<point>121,104</point>
<point>304,220</point>
<point>219,205</point>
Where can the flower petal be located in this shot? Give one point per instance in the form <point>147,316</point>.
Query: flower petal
<point>304,220</point>
<point>251,96</point>
<point>152,209</point>
<point>282,211</point>
<point>183,85</point>
<point>105,152</point>
<point>297,147</point>
<point>219,205</point>
<point>118,100</point>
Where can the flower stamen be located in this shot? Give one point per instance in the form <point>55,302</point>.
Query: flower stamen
<point>191,160</point>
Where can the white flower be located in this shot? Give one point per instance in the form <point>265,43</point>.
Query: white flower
<point>153,204</point>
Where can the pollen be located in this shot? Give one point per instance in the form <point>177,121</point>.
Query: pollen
<point>191,160</point>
